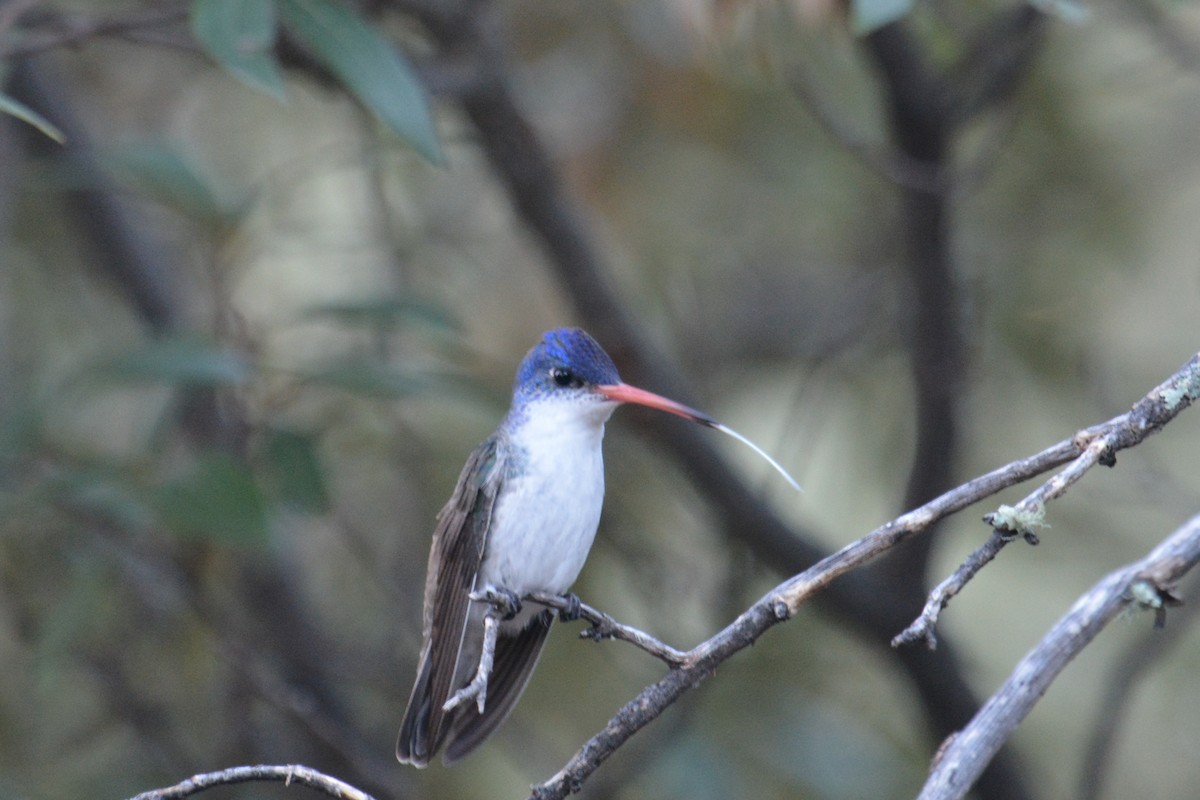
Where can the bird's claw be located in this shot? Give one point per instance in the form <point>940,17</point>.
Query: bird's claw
<point>573,609</point>
<point>505,601</point>
<point>475,690</point>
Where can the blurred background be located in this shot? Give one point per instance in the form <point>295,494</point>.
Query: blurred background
<point>247,343</point>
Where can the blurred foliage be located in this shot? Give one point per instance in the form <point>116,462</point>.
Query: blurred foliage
<point>367,63</point>
<point>240,36</point>
<point>178,362</point>
<point>213,539</point>
<point>870,15</point>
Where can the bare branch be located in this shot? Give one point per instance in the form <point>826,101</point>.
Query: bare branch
<point>988,76</point>
<point>1155,410</point>
<point>1146,582</point>
<point>993,69</point>
<point>1099,446</point>
<point>51,30</point>
<point>1124,676</point>
<point>894,165</point>
<point>287,774</point>
<point>605,627</point>
<point>1175,39</point>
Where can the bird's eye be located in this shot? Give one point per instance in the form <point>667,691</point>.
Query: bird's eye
<point>565,378</point>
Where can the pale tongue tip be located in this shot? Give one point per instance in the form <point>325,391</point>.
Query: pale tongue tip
<point>763,453</point>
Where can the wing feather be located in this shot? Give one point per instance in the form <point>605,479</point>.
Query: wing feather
<point>454,560</point>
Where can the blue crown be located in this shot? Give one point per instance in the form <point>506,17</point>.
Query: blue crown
<point>569,349</point>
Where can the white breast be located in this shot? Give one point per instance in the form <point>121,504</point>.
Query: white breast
<point>546,517</point>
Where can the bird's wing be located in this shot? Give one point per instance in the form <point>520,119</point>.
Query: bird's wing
<point>454,561</point>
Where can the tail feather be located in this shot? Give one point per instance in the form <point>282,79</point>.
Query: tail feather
<point>413,745</point>
<point>426,728</point>
<point>516,657</point>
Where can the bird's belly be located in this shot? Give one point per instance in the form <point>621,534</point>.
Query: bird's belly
<point>543,527</point>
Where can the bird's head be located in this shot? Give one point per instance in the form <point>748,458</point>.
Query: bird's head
<point>570,372</point>
<point>569,366</point>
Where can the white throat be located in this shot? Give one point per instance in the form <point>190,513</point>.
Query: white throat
<point>554,424</point>
<point>547,516</point>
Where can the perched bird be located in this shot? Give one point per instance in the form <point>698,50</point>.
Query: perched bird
<point>522,519</point>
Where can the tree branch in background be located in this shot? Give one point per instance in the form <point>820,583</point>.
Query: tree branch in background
<point>927,111</point>
<point>864,600</point>
<point>1174,38</point>
<point>917,100</point>
<point>997,61</point>
<point>1125,675</point>
<point>268,609</point>
<point>1099,446</point>
<point>891,164</point>
<point>781,603</point>
<point>52,29</point>
<point>305,776</point>
<point>125,255</point>
<point>1147,582</point>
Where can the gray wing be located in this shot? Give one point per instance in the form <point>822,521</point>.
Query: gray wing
<point>454,560</point>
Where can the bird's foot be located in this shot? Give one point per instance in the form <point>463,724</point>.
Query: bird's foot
<point>573,609</point>
<point>505,601</point>
<point>477,689</point>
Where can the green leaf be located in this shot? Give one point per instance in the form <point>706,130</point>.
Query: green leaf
<point>240,36</point>
<point>386,312</point>
<point>868,15</point>
<point>296,467</point>
<point>218,500</point>
<point>16,108</point>
<point>368,378</point>
<point>184,362</point>
<point>369,65</point>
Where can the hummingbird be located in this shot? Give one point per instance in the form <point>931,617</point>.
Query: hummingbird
<point>521,519</point>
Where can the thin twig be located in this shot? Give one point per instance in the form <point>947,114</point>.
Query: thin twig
<point>1147,582</point>
<point>56,30</point>
<point>605,627</point>
<point>288,774</point>
<point>1099,445</point>
<point>781,603</point>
